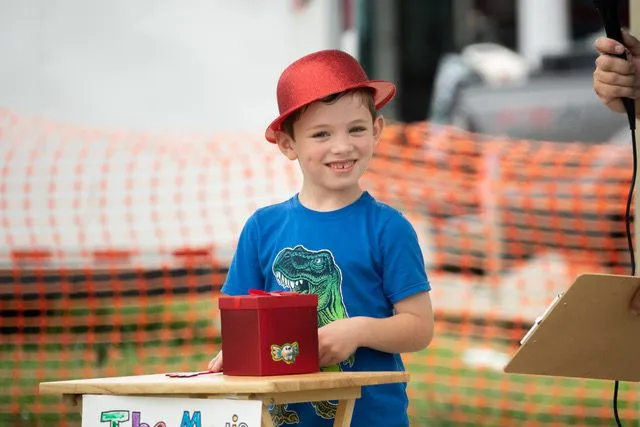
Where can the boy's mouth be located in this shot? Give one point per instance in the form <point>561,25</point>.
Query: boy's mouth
<point>342,166</point>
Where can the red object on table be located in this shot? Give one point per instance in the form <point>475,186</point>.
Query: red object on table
<point>269,333</point>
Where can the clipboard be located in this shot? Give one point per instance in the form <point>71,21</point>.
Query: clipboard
<point>587,331</point>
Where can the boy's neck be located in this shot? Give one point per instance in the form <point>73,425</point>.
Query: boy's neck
<point>325,201</point>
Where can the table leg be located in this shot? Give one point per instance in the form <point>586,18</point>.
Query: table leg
<point>72,399</point>
<point>266,417</point>
<point>344,413</point>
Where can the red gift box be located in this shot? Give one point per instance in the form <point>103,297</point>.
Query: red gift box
<point>269,333</point>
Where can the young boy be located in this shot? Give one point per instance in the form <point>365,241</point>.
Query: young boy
<point>360,256</point>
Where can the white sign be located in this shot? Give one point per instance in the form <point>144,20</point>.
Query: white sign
<point>134,411</point>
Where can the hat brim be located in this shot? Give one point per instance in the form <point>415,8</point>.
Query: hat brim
<point>384,92</point>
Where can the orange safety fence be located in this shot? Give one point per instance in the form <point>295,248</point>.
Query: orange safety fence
<point>113,247</point>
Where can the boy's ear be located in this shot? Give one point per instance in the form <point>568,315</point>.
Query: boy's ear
<point>378,126</point>
<point>285,144</point>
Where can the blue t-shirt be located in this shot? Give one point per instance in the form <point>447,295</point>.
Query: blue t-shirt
<point>360,260</point>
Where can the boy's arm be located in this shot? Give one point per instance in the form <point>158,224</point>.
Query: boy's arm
<point>409,329</point>
<point>406,285</point>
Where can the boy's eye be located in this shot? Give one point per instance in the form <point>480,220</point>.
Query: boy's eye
<point>358,129</point>
<point>321,134</point>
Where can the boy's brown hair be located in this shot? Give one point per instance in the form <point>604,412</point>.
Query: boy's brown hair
<point>366,95</point>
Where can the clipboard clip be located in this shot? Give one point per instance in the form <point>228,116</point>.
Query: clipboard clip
<point>540,318</point>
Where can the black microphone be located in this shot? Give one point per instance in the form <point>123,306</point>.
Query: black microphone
<point>608,10</point>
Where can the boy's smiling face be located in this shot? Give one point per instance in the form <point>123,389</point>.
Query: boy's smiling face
<point>333,143</point>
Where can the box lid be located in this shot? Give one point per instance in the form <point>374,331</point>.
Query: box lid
<point>258,299</point>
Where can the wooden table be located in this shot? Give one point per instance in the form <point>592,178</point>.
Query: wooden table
<point>342,386</point>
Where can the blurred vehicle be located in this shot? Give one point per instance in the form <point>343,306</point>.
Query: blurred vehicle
<point>486,89</point>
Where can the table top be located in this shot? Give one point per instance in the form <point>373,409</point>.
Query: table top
<point>160,384</point>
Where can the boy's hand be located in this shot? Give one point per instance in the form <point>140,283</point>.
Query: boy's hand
<point>216,363</point>
<point>615,78</point>
<point>337,341</point>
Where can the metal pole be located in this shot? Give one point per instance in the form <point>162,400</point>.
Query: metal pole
<point>335,23</point>
<point>533,15</point>
<point>385,55</point>
<point>461,9</point>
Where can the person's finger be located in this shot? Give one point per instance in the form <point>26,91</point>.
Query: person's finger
<point>323,348</point>
<point>216,363</point>
<point>615,79</point>
<point>607,46</point>
<point>324,356</point>
<point>614,104</point>
<point>324,362</point>
<point>213,361</point>
<point>631,42</point>
<point>322,359</point>
<point>327,356</point>
<point>615,65</point>
<point>608,92</point>
<point>328,361</point>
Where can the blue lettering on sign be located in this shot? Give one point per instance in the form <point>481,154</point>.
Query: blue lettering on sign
<point>188,421</point>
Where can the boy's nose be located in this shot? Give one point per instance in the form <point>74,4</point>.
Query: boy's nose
<point>342,144</point>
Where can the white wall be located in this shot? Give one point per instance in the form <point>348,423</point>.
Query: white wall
<point>154,64</point>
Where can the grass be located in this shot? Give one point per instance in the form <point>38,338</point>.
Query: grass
<point>173,333</point>
<point>177,333</point>
<point>447,390</point>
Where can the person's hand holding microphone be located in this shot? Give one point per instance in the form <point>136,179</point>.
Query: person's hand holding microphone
<point>614,77</point>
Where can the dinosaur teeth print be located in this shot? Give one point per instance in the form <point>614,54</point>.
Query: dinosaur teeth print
<point>286,283</point>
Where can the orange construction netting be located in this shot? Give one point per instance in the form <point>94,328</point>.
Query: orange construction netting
<point>113,246</point>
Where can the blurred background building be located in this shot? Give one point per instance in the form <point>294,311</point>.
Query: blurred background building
<point>214,64</point>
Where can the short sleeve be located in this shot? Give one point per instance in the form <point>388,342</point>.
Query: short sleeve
<point>403,263</point>
<point>244,272</point>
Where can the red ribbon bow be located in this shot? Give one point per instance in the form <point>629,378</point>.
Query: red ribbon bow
<point>260,292</point>
<point>276,294</point>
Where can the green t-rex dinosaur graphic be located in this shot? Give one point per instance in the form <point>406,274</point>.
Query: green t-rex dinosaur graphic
<point>313,272</point>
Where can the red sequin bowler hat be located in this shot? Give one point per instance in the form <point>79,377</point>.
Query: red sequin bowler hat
<point>320,74</point>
